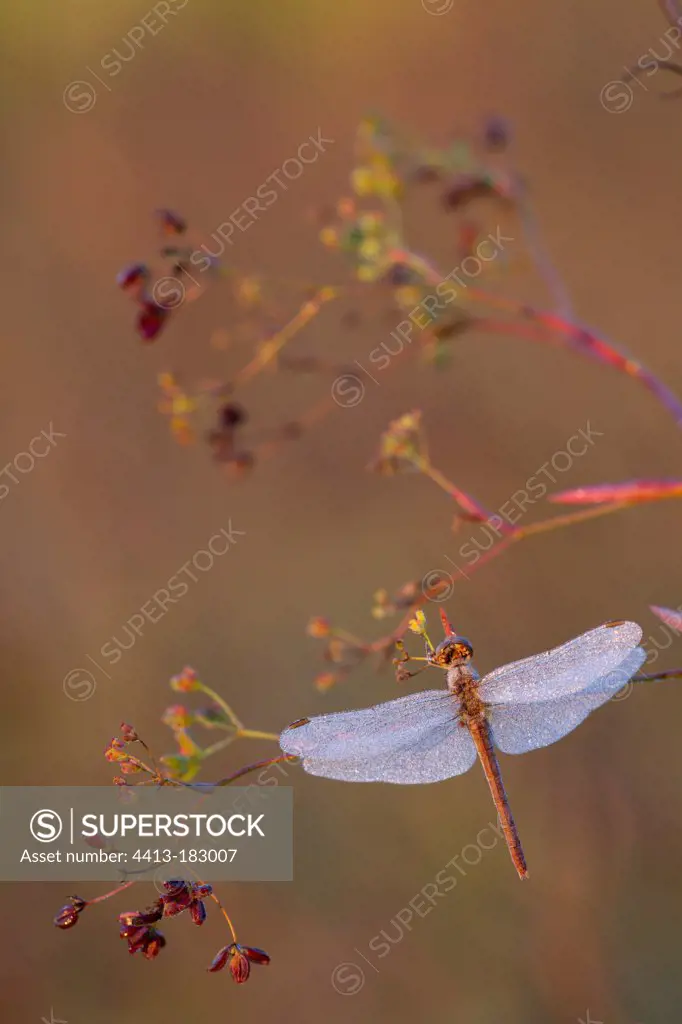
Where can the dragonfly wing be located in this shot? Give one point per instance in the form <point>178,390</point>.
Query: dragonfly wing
<point>443,752</point>
<point>371,733</point>
<point>412,739</point>
<point>571,668</point>
<point>522,727</point>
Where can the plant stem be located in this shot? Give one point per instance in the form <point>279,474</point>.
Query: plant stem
<point>222,703</point>
<point>653,677</point>
<point>253,768</point>
<point>545,525</point>
<point>220,745</point>
<point>464,500</point>
<point>107,895</point>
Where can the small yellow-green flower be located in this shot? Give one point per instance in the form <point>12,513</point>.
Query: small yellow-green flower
<point>418,623</point>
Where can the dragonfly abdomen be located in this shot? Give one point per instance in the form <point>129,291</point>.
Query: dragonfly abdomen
<point>481,735</point>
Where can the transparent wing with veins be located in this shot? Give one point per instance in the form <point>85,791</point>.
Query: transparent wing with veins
<point>535,702</point>
<point>414,739</point>
<point>571,668</point>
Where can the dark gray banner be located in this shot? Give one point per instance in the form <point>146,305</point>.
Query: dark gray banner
<point>105,833</point>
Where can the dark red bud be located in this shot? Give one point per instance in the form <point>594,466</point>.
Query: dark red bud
<point>197,911</point>
<point>240,968</point>
<point>128,734</point>
<point>67,917</point>
<point>137,937</point>
<point>171,223</point>
<point>178,898</point>
<point>151,319</point>
<point>202,891</point>
<point>132,276</point>
<point>220,959</point>
<point>256,956</point>
<point>173,907</point>
<point>69,914</point>
<point>152,914</point>
<point>154,944</point>
<point>175,887</point>
<point>231,415</point>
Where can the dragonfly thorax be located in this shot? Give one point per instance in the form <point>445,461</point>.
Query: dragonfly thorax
<point>463,683</point>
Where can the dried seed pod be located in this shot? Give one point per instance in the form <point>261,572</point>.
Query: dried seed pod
<point>240,966</point>
<point>402,674</point>
<point>202,890</point>
<point>171,223</point>
<point>68,915</point>
<point>137,937</point>
<point>151,319</point>
<point>232,415</point>
<point>197,911</point>
<point>256,956</point>
<point>133,277</point>
<point>175,887</point>
<point>239,959</point>
<point>220,959</point>
<point>152,913</point>
<point>154,944</point>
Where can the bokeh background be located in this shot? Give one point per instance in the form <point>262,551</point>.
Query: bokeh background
<point>209,108</point>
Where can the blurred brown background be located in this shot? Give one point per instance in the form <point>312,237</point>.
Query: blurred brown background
<point>207,109</point>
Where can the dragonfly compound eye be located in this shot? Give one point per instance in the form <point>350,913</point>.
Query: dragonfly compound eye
<point>451,651</point>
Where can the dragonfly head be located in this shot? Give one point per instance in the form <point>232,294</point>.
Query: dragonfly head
<point>454,650</point>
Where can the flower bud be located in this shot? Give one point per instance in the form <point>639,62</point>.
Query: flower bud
<point>256,956</point>
<point>67,917</point>
<point>186,681</point>
<point>69,914</point>
<point>231,415</point>
<point>240,967</point>
<point>220,959</point>
<point>133,277</point>
<point>318,627</point>
<point>151,319</point>
<point>197,911</point>
<point>171,223</point>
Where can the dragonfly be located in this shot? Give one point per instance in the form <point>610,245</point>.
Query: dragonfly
<point>437,734</point>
